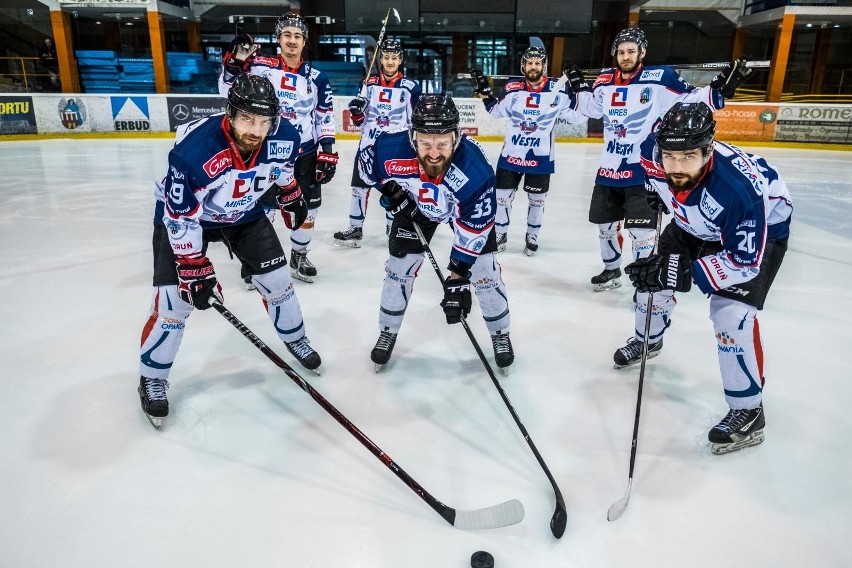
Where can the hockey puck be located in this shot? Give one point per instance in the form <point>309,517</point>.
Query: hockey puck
<point>481,559</point>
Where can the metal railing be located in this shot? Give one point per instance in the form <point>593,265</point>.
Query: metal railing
<point>21,71</point>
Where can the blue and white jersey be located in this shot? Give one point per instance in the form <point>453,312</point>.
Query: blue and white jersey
<point>208,185</point>
<point>532,113</point>
<point>740,201</point>
<point>389,106</point>
<point>304,97</point>
<point>629,109</point>
<point>463,197</point>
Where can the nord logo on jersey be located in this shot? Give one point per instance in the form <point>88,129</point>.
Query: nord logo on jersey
<point>280,150</point>
<point>289,81</point>
<point>455,178</point>
<point>533,100</point>
<point>651,75</point>
<point>217,164</point>
<point>402,167</point>
<point>385,95</point>
<point>130,114</point>
<point>709,206</point>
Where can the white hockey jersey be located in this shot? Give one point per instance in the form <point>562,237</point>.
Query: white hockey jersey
<point>389,107</point>
<point>629,109</point>
<point>532,114</point>
<point>304,96</point>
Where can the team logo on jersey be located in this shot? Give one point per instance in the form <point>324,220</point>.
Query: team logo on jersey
<point>289,81</point>
<point>72,113</point>
<point>528,126</point>
<point>385,96</point>
<point>279,149</point>
<point>402,167</point>
<point>533,100</point>
<point>455,178</point>
<point>651,75</point>
<point>288,112</point>
<point>618,129</point>
<point>383,121</point>
<point>217,164</point>
<point>645,95</point>
<point>176,230</point>
<point>619,97</point>
<point>709,206</point>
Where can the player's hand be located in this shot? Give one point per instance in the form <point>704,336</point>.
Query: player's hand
<point>457,300</point>
<point>661,272</point>
<point>239,55</point>
<point>731,77</point>
<point>292,205</point>
<point>655,202</point>
<point>357,106</point>
<point>480,84</point>
<point>326,166</point>
<point>197,282</point>
<point>401,204</point>
<point>576,79</point>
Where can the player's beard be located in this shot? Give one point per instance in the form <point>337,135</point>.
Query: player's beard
<point>434,168</point>
<point>683,182</point>
<point>533,75</point>
<point>628,67</point>
<point>246,143</point>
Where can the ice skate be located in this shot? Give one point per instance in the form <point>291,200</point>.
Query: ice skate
<point>351,237</point>
<point>531,246</point>
<point>631,353</point>
<point>738,429</point>
<point>152,395</point>
<point>504,354</point>
<point>305,354</point>
<point>301,268</point>
<point>381,353</point>
<point>249,284</point>
<point>502,241</point>
<point>607,280</point>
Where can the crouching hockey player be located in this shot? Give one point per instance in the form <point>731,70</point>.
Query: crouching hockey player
<point>430,175</point>
<point>731,222</point>
<point>223,171</point>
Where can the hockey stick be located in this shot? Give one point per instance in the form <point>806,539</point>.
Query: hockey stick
<point>504,514</point>
<point>560,515</point>
<point>706,66</point>
<point>617,509</point>
<point>396,20</point>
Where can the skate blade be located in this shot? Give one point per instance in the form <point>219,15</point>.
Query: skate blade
<point>501,248</point>
<point>651,355</point>
<point>347,244</point>
<point>752,439</point>
<point>504,371</point>
<point>299,276</point>
<point>610,285</point>
<point>251,287</point>
<point>317,371</point>
<point>529,252</point>
<point>156,421</point>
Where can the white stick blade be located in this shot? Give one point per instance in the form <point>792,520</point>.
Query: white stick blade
<point>617,509</point>
<point>502,515</point>
<point>396,18</point>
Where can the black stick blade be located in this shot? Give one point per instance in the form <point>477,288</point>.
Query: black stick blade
<point>559,521</point>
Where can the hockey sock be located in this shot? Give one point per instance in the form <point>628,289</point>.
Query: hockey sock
<point>610,240</point>
<point>358,206</point>
<point>163,332</point>
<point>490,292</point>
<point>643,242</point>
<point>281,303</point>
<point>505,197</point>
<point>740,351</point>
<point>301,237</point>
<point>535,212</point>
<point>661,311</point>
<point>396,289</point>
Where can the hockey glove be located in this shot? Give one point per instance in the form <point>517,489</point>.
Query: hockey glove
<point>239,55</point>
<point>326,166</point>
<point>661,272</point>
<point>457,300</point>
<point>292,205</point>
<point>197,282</point>
<point>480,84</point>
<point>357,106</point>
<point>576,80</point>
<point>655,202</point>
<point>399,203</point>
<point>730,78</point>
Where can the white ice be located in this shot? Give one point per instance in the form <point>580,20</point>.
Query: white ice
<point>249,471</point>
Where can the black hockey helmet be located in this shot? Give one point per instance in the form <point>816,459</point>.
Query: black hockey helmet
<point>435,114</point>
<point>391,46</point>
<point>687,126</point>
<point>291,20</point>
<point>634,35</point>
<point>252,94</point>
<point>534,52</point>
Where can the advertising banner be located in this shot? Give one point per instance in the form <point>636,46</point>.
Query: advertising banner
<point>746,123</point>
<point>186,109</point>
<point>814,123</point>
<point>17,115</point>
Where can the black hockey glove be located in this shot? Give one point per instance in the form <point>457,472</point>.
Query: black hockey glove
<point>401,204</point>
<point>239,55</point>
<point>576,79</point>
<point>480,84</point>
<point>292,205</point>
<point>655,202</point>
<point>730,78</point>
<point>197,282</point>
<point>457,300</point>
<point>326,166</point>
<point>661,272</point>
<point>357,106</point>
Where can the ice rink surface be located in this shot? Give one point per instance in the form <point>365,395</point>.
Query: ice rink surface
<point>249,471</point>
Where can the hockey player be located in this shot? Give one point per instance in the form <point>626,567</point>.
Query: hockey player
<point>731,221</point>
<point>532,107</point>
<point>305,100</point>
<point>385,107</point>
<point>222,171</point>
<point>429,175</point>
<point>631,98</point>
